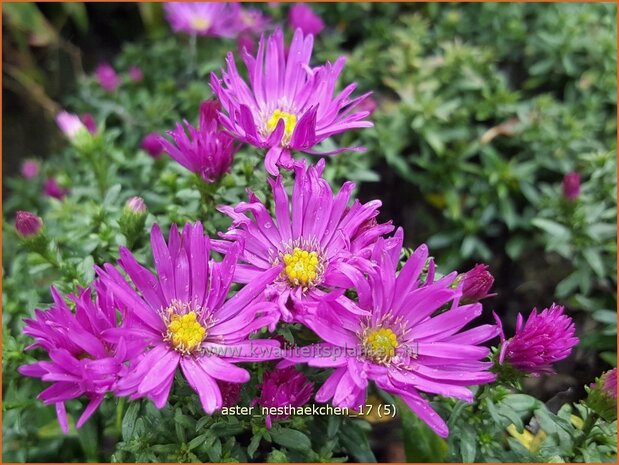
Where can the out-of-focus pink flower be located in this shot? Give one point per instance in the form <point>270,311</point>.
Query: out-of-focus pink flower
<point>90,123</point>
<point>246,41</point>
<point>107,77</point>
<point>136,74</point>
<point>230,393</point>
<point>27,224</point>
<point>571,186</point>
<point>369,104</point>
<point>51,188</point>
<point>150,143</point>
<point>252,20</point>
<point>29,169</point>
<point>71,125</point>
<point>282,388</point>
<point>214,19</point>
<point>303,17</point>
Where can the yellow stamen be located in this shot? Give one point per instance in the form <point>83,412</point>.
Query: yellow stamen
<point>185,333</point>
<point>200,24</point>
<point>290,121</point>
<point>301,267</point>
<point>380,344</point>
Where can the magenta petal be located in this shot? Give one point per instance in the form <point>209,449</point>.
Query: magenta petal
<point>89,410</point>
<point>61,413</point>
<point>203,384</point>
<point>160,372</point>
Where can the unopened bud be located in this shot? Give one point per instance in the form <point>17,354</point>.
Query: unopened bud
<point>136,205</point>
<point>476,283</point>
<point>27,224</point>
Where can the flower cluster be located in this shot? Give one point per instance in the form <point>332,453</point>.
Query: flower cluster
<point>319,258</point>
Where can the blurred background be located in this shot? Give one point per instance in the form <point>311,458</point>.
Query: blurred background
<point>494,139</point>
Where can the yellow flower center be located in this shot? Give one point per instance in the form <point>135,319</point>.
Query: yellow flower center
<point>185,333</point>
<point>302,267</point>
<point>200,24</point>
<point>380,344</point>
<point>290,121</point>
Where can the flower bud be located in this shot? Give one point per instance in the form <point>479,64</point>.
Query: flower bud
<point>571,186</point>
<point>29,169</point>
<point>602,397</point>
<point>476,283</point>
<point>136,205</point>
<point>27,224</point>
<point>150,143</point>
<point>71,126</point>
<point>89,122</point>
<point>303,17</point>
<point>51,188</point>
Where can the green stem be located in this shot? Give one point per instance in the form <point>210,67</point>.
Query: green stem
<point>590,422</point>
<point>193,51</point>
<point>120,410</point>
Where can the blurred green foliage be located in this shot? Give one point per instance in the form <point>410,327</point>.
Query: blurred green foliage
<point>482,110</point>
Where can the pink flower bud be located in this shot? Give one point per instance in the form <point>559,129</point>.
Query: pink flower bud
<point>571,186</point>
<point>27,224</point>
<point>89,122</point>
<point>476,283</point>
<point>107,77</point>
<point>51,188</point>
<point>136,205</point>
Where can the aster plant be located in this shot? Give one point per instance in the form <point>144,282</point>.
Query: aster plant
<point>302,295</point>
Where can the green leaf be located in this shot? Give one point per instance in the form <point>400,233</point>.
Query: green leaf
<point>129,419</point>
<point>552,227</point>
<point>291,439</point>
<point>421,444</point>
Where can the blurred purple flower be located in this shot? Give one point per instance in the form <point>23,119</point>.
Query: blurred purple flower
<point>544,339</point>
<point>51,188</point>
<point>71,125</point>
<point>207,151</point>
<point>150,143</point>
<point>29,169</point>
<point>107,77</point>
<point>571,186</point>
<point>27,224</point>
<point>303,17</point>
<point>282,388</point>
<point>89,122</point>
<point>136,74</point>
<point>204,18</point>
<point>246,41</point>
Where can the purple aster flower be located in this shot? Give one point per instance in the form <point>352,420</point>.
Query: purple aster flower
<point>252,20</point>
<point>51,188</point>
<point>204,18</point>
<point>207,151</point>
<point>136,74</point>
<point>544,339</point>
<point>107,77</point>
<point>313,234</point>
<point>369,104</point>
<point>403,345</point>
<point>186,319</point>
<point>571,186</point>
<point>27,224</point>
<point>282,388</point>
<point>289,105</point>
<point>30,169</point>
<point>302,17</point>
<point>83,362</point>
<point>476,283</point>
<point>150,144</point>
